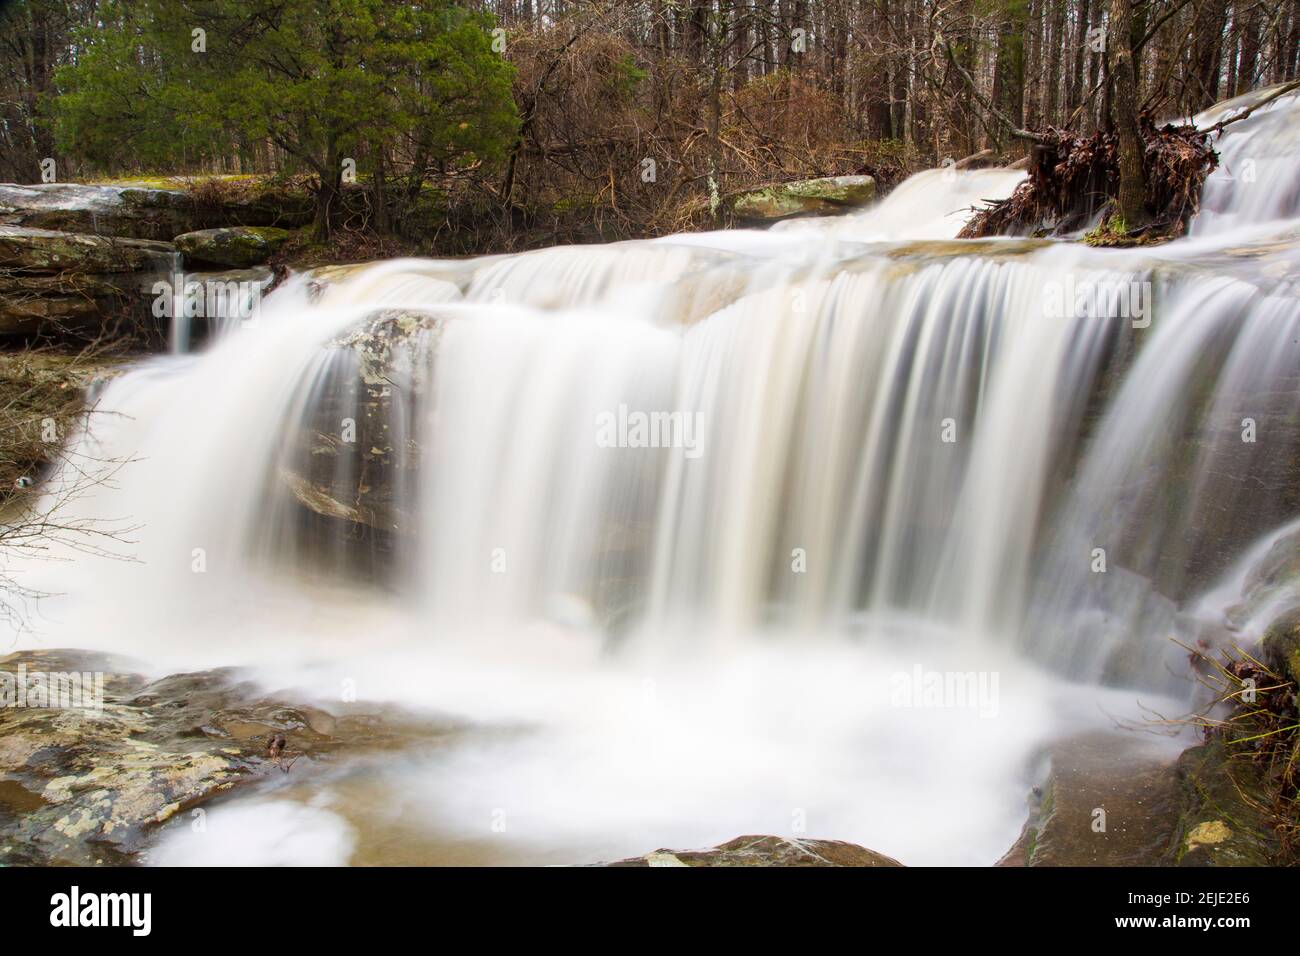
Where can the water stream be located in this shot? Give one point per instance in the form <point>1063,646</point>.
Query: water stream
<point>668,527</point>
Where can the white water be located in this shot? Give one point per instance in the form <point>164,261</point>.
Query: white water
<point>652,647</point>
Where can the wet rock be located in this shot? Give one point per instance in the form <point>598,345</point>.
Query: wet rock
<point>82,786</point>
<point>1281,645</point>
<point>1222,821</point>
<point>766,851</point>
<point>1197,809</point>
<point>378,380</point>
<point>239,247</point>
<point>1133,784</point>
<point>833,194</point>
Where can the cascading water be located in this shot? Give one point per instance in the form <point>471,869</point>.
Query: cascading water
<point>670,518</point>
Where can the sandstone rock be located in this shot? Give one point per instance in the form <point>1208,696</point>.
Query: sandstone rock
<point>806,197</point>
<point>766,851</point>
<point>48,251</point>
<point>239,247</point>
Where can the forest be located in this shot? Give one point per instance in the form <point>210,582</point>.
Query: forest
<point>523,123</point>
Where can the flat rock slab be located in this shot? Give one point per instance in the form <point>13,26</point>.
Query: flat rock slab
<point>50,251</point>
<point>127,211</point>
<point>83,786</point>
<point>766,851</point>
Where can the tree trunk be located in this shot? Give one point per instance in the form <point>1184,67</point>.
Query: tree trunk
<point>1132,175</point>
<point>327,194</point>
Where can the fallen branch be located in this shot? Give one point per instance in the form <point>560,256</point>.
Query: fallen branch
<point>1275,95</point>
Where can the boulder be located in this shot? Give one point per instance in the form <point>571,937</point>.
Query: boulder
<point>833,194</point>
<point>1198,809</point>
<point>376,378</point>
<point>766,851</point>
<point>239,247</point>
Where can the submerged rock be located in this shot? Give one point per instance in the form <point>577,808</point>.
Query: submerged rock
<point>766,851</point>
<point>239,247</point>
<point>807,197</point>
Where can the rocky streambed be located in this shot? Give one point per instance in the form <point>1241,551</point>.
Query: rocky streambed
<point>88,785</point>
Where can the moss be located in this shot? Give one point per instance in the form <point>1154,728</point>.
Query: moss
<point>780,200</point>
<point>1222,823</point>
<point>239,247</point>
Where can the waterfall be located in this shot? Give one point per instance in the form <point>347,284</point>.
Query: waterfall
<point>731,461</point>
<point>1258,179</point>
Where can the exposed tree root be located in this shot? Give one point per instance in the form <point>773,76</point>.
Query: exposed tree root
<point>1073,179</point>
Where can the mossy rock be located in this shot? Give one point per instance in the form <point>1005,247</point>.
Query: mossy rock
<point>239,247</point>
<point>1222,824</point>
<point>830,195</point>
<point>45,250</point>
<point>1282,645</point>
